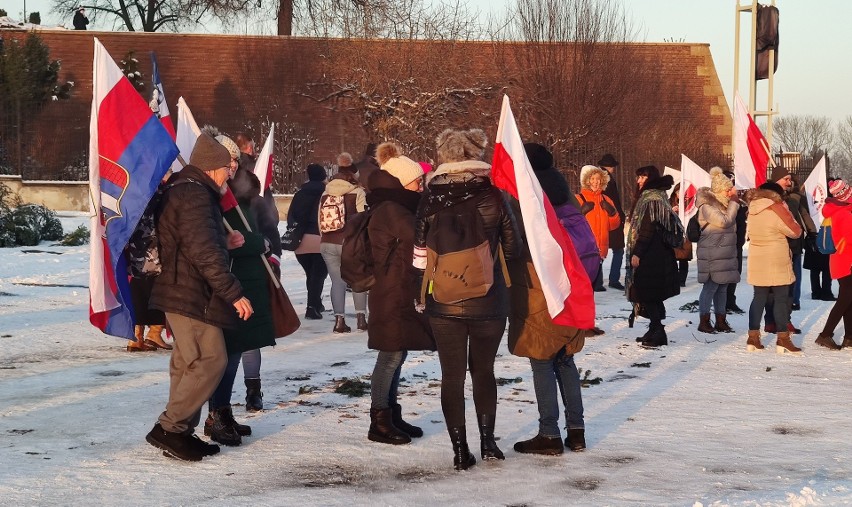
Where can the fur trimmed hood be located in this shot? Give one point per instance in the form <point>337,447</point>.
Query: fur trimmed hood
<point>459,171</point>
<point>586,173</point>
<point>706,196</point>
<point>760,199</point>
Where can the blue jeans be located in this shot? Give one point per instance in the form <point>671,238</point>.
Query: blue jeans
<point>251,363</point>
<point>222,395</point>
<point>715,293</point>
<point>384,384</point>
<point>331,254</point>
<point>615,267</point>
<point>780,308</point>
<point>797,285</point>
<point>547,375</point>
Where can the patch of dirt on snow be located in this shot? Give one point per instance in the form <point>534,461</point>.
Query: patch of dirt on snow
<point>417,475</point>
<point>586,483</point>
<point>328,477</point>
<point>616,461</point>
<point>790,430</point>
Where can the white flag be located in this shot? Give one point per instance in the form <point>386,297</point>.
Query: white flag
<point>816,190</point>
<point>263,166</point>
<point>692,177</point>
<point>187,134</point>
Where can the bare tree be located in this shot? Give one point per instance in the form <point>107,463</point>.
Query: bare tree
<point>806,134</point>
<point>154,15</point>
<point>841,162</point>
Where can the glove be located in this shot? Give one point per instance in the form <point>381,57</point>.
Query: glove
<point>587,207</point>
<point>609,208</point>
<point>811,241</point>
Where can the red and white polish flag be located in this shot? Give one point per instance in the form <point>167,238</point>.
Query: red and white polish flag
<point>751,151</point>
<point>570,301</point>
<point>263,166</point>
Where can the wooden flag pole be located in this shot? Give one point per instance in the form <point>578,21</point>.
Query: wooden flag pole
<point>262,257</point>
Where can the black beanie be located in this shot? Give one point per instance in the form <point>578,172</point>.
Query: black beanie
<point>540,158</point>
<point>209,154</point>
<point>316,172</point>
<point>775,187</point>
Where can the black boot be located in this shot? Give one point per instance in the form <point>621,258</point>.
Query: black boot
<point>462,459</point>
<point>254,396</point>
<point>657,338</point>
<point>361,319</point>
<point>410,429</point>
<point>646,336</point>
<point>540,445</point>
<point>223,431</point>
<point>383,430</point>
<point>576,439</point>
<point>313,314</point>
<point>486,438</point>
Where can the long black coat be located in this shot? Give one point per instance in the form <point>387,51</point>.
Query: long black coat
<point>498,220</point>
<point>616,237</point>
<point>195,281</point>
<point>304,208</point>
<point>656,278</point>
<point>394,324</point>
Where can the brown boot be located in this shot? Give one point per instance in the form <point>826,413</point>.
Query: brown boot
<point>340,325</point>
<point>722,325</point>
<point>847,342</point>
<point>753,342</point>
<point>704,326</point>
<point>783,344</point>
<point>362,321</point>
<point>154,338</point>
<point>827,341</point>
<point>138,345</point>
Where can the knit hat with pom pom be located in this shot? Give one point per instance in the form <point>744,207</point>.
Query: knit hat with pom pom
<point>719,183</point>
<point>391,159</point>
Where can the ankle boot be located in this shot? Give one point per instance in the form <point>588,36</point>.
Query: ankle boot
<point>361,321</point>
<point>645,337</point>
<point>462,459</point>
<point>576,439</point>
<point>154,338</point>
<point>383,430</point>
<point>658,337</point>
<point>312,313</point>
<point>783,344</point>
<point>410,429</point>
<point>487,444</point>
<point>221,430</point>
<point>827,341</point>
<point>704,326</point>
<point>847,342</point>
<point>722,325</point>
<point>139,345</point>
<point>340,325</point>
<point>753,342</point>
<point>254,396</point>
<point>549,446</point>
<point>243,430</point>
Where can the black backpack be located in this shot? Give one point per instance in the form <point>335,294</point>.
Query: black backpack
<point>693,230</point>
<point>356,259</point>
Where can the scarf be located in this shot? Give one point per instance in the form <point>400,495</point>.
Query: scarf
<point>655,204</point>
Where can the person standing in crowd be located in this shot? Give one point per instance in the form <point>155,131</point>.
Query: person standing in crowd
<point>801,215</point>
<point>770,264</point>
<point>839,209</point>
<point>616,236</point>
<point>532,333</point>
<point>256,332</point>
<point>81,21</point>
<point>367,165</point>
<point>467,332</point>
<point>654,268</point>
<point>742,214</point>
<point>197,292</point>
<point>395,326</point>
<point>342,199</point>
<point>599,210</point>
<point>684,254</point>
<point>143,266</point>
<point>818,264</point>
<point>304,209</point>
<point>717,249</point>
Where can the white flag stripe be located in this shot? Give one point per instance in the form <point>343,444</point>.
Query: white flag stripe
<point>186,135</point>
<point>261,167</point>
<point>675,174</point>
<point>692,177</point>
<point>744,171</point>
<point>545,250</point>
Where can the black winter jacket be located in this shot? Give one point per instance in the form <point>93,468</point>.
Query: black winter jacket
<point>195,281</point>
<point>498,219</point>
<point>304,208</point>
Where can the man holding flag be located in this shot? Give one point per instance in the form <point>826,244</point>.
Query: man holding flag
<point>197,292</point>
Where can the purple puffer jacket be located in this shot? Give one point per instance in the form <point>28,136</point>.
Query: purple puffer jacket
<point>581,235</point>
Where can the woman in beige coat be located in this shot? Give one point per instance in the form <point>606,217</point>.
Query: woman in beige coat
<point>770,265</point>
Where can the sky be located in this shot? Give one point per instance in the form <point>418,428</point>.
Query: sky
<point>812,77</point>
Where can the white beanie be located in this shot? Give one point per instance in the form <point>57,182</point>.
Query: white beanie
<point>229,143</point>
<point>399,166</point>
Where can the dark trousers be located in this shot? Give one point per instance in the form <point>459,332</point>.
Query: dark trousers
<point>842,309</point>
<point>467,344</point>
<point>315,274</point>
<point>820,283</point>
<point>682,271</point>
<point>656,312</point>
<point>732,287</point>
<point>222,395</point>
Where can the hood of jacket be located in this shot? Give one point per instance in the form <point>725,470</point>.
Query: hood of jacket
<point>706,196</point>
<point>760,199</point>
<point>586,173</point>
<point>834,206</point>
<point>339,186</point>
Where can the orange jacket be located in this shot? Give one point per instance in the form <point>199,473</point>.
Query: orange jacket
<point>599,219</point>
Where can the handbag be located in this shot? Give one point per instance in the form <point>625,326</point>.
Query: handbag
<point>684,253</point>
<point>292,237</point>
<point>285,320</point>
<point>672,238</point>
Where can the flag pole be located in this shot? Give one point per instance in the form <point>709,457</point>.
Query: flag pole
<point>768,153</point>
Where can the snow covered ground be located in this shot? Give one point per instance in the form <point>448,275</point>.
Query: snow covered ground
<point>700,422</point>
